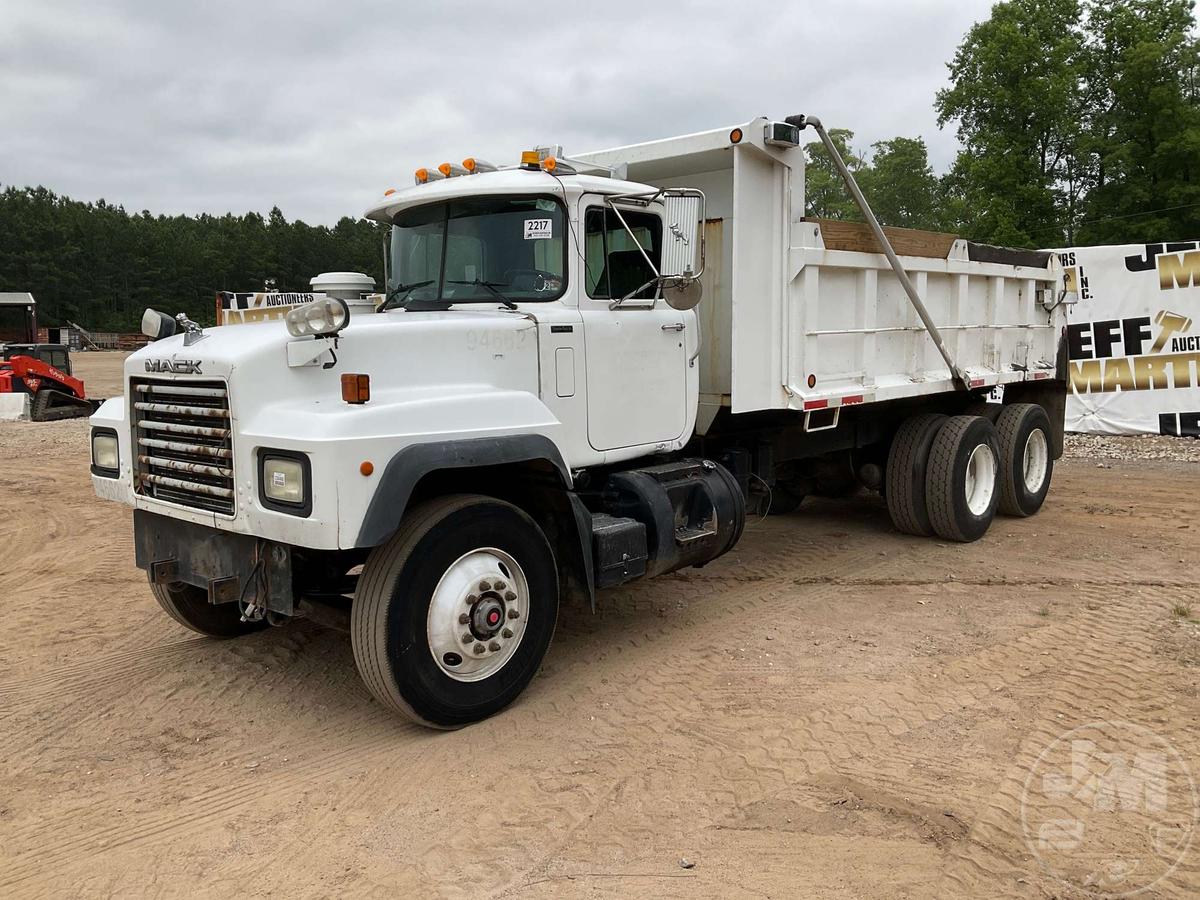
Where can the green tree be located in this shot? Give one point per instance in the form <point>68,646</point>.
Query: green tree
<point>826,196</point>
<point>901,186</point>
<point>95,264</point>
<point>1016,94</point>
<point>1144,136</point>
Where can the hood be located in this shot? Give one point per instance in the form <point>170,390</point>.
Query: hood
<point>408,356</point>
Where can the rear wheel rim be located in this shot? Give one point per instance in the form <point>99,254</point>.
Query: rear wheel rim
<point>1035,460</point>
<point>980,481</point>
<point>477,614</point>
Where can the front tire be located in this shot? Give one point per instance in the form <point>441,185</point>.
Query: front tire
<point>455,612</point>
<point>1025,457</point>
<point>188,605</point>
<point>963,479</point>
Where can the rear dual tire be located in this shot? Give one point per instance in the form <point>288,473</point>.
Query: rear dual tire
<point>907,472</point>
<point>1023,430</point>
<point>963,479</point>
<point>949,476</point>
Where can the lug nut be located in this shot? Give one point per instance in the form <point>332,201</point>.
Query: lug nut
<point>472,599</point>
<point>479,648</point>
<point>468,637</point>
<point>507,632</point>
<point>513,614</point>
<point>463,619</point>
<point>485,585</point>
<point>494,646</point>
<point>499,585</point>
<point>510,596</point>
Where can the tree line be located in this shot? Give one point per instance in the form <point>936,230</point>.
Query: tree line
<point>1079,124</point>
<point>1078,120</point>
<point>100,266</point>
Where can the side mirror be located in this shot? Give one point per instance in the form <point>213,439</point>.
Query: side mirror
<point>683,235</point>
<point>156,325</point>
<point>681,262</point>
<point>681,293</point>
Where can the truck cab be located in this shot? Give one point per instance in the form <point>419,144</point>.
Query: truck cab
<point>537,405</point>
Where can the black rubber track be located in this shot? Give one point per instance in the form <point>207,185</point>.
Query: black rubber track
<point>50,405</point>
<point>907,463</point>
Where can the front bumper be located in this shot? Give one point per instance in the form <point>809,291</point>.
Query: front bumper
<point>220,562</point>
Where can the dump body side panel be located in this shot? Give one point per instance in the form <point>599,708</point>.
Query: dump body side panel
<point>801,314</point>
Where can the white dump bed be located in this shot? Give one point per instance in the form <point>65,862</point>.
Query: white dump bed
<point>800,314</point>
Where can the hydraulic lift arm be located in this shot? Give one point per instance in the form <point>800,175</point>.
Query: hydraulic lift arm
<point>960,377</point>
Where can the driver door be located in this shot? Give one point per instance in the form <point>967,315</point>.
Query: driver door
<point>636,353</point>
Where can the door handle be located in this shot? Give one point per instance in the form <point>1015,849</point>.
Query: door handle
<point>678,326</point>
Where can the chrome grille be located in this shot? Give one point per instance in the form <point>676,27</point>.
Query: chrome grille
<point>184,449</point>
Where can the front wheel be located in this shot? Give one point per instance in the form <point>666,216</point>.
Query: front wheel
<point>188,605</point>
<point>454,613</point>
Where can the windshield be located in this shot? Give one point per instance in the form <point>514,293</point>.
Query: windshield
<point>470,249</point>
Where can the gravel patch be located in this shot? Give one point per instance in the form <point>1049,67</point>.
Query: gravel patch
<point>1137,446</point>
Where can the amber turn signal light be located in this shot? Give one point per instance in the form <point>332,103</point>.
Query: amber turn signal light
<point>735,136</point>
<point>356,388</point>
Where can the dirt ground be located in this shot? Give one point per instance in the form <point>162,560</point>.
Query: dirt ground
<point>833,710</point>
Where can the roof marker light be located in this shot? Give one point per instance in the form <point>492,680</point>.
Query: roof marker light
<point>450,170</point>
<point>735,136</point>
<point>530,160</point>
<point>389,192</point>
<point>423,175</point>
<point>475,166</point>
<point>557,166</point>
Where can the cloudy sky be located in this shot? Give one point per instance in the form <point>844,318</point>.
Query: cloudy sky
<point>318,107</point>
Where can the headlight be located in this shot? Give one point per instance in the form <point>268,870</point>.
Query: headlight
<point>156,325</point>
<point>284,480</point>
<point>106,459</point>
<point>329,315</point>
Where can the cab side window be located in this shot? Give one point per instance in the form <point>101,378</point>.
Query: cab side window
<point>615,266</point>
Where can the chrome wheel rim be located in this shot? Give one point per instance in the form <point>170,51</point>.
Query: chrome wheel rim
<point>1035,460</point>
<point>980,482</point>
<point>477,614</point>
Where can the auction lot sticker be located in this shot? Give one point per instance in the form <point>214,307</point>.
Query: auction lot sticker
<point>1110,807</point>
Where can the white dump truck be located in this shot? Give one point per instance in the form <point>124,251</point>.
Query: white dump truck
<point>582,371</point>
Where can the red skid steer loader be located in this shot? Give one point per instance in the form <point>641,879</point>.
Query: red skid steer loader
<point>43,371</point>
<point>54,394</point>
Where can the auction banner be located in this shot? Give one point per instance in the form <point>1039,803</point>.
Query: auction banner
<point>237,309</point>
<point>1133,339</point>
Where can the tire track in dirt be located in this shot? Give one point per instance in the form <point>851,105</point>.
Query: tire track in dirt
<point>835,735</point>
<point>207,808</point>
<point>554,806</point>
<point>204,809</point>
<point>843,739</point>
<point>654,706</point>
<point>1115,676</point>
